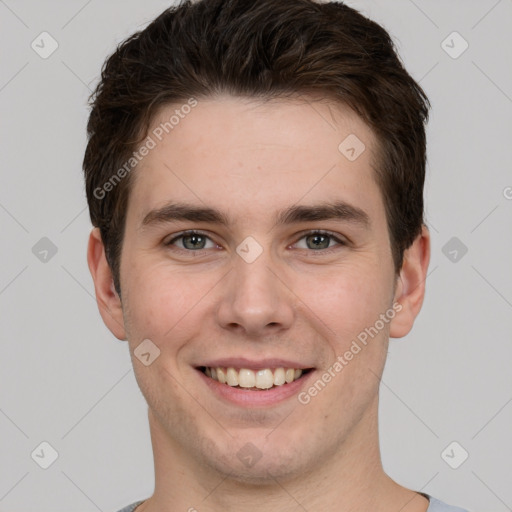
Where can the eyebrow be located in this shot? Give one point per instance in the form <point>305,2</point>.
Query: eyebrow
<point>338,210</point>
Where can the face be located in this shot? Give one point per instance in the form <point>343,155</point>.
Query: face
<point>254,245</point>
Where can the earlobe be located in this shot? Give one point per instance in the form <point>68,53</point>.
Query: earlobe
<point>410,288</point>
<point>109,302</point>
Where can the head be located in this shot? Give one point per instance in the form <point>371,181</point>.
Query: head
<point>256,123</point>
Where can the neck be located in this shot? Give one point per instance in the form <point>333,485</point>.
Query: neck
<point>351,479</point>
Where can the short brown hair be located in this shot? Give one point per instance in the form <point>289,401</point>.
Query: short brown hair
<point>262,49</point>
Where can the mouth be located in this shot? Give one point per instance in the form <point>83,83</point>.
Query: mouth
<point>247,379</point>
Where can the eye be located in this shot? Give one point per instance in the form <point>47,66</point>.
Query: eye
<point>196,241</point>
<point>318,240</point>
<point>192,241</point>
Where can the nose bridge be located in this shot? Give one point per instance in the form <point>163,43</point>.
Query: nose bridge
<point>255,299</point>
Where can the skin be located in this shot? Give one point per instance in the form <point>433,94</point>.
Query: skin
<point>251,160</point>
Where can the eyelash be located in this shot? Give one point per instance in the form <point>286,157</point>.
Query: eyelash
<point>303,235</point>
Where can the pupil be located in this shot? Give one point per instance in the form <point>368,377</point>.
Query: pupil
<point>193,241</point>
<point>319,241</point>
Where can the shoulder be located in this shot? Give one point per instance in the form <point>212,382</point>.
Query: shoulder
<point>439,506</point>
<point>131,508</point>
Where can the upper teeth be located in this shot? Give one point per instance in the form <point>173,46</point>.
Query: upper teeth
<point>245,378</point>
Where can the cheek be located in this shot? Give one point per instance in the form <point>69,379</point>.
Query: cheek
<point>349,304</point>
<point>346,302</point>
<point>163,304</point>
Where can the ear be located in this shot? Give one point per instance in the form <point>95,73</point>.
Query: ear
<point>410,287</point>
<point>109,302</point>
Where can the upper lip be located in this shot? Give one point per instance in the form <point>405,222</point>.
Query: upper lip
<point>253,364</point>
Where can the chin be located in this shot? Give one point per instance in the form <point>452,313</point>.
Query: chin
<point>243,462</point>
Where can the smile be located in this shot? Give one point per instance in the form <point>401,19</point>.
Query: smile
<point>262,379</point>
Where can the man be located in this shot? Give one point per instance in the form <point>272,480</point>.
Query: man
<point>255,175</point>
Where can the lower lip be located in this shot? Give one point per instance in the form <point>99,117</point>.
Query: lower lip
<point>247,397</point>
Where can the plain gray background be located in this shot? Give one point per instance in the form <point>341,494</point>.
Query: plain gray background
<point>67,381</point>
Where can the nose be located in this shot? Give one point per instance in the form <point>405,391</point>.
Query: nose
<point>255,299</point>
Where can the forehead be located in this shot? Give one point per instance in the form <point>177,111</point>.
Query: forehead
<point>243,154</point>
<point>238,124</point>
